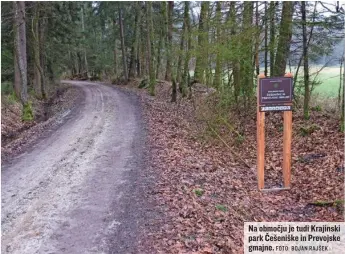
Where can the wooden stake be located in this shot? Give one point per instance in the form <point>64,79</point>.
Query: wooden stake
<point>260,141</point>
<point>287,144</point>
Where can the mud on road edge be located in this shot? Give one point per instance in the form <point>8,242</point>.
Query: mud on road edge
<point>140,197</point>
<point>59,109</point>
<point>142,215</point>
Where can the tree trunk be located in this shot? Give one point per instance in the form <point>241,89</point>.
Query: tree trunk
<point>284,42</point>
<point>340,81</point>
<point>144,59</point>
<point>233,46</point>
<point>150,48</point>
<point>134,51</point>
<point>162,36</point>
<point>218,70</point>
<point>139,73</point>
<point>36,50</point>
<point>124,60</point>
<point>86,70</point>
<point>16,83</point>
<point>38,35</point>
<point>180,55</point>
<point>208,60</point>
<point>201,58</point>
<point>257,40</point>
<point>247,56</point>
<point>266,40</point>
<point>185,80</point>
<point>342,123</point>
<point>306,64</point>
<point>115,61</point>
<point>174,90</point>
<point>169,40</point>
<point>21,60</point>
<point>309,39</point>
<point>272,35</point>
<point>42,39</point>
<point>20,45</point>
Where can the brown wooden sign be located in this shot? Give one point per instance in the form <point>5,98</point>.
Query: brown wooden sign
<point>274,94</point>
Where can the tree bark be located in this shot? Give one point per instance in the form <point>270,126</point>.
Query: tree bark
<point>284,42</point>
<point>257,39</point>
<point>201,58</point>
<point>124,59</point>
<point>161,39</point>
<point>169,40</point>
<point>266,40</point>
<point>115,61</point>
<point>150,48</point>
<point>246,60</point>
<point>134,51</point>
<point>234,47</point>
<point>174,90</point>
<point>180,55</point>
<point>185,80</point>
<point>218,70</point>
<point>42,57</point>
<point>272,36</point>
<point>16,83</point>
<point>306,64</point>
<point>340,81</point>
<point>20,47</point>
<point>83,30</point>
<point>342,123</point>
<point>38,35</point>
<point>309,39</point>
<point>36,50</point>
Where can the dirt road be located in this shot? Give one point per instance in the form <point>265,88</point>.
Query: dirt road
<point>74,192</point>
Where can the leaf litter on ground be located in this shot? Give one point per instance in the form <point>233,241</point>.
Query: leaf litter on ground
<point>188,162</point>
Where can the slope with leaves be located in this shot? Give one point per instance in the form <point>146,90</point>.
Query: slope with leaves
<point>206,194</point>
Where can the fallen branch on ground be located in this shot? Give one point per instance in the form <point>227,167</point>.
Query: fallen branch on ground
<point>231,150</point>
<point>327,203</point>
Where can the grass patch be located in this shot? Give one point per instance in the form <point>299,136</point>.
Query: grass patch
<point>317,108</point>
<point>307,130</point>
<point>198,192</point>
<point>222,208</point>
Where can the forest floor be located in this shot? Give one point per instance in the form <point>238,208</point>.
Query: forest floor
<point>206,193</point>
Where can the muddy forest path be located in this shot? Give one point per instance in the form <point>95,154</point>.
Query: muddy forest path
<point>74,191</point>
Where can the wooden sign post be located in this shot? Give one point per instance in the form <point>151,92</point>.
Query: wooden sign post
<point>274,94</point>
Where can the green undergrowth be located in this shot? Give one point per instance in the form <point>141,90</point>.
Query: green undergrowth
<point>307,130</point>
<point>222,208</point>
<point>27,112</point>
<point>198,192</point>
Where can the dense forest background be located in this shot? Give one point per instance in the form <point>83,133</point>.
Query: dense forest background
<point>223,45</point>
